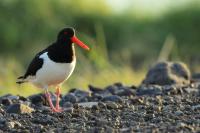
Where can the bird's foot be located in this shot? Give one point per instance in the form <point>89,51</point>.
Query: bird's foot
<point>59,110</point>
<point>56,110</point>
<point>58,99</point>
<point>53,109</point>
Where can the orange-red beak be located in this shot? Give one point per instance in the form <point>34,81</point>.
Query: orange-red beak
<point>74,39</point>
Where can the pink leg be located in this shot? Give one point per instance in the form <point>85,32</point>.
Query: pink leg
<point>48,96</point>
<point>58,99</point>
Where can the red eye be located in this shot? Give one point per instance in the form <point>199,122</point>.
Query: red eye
<point>65,33</point>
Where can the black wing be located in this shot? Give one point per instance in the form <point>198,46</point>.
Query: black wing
<point>35,65</point>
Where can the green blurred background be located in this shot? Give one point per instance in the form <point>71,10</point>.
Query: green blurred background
<point>126,37</point>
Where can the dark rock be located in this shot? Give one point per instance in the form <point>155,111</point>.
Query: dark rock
<point>179,113</point>
<point>2,120</point>
<point>76,106</point>
<point>95,107</point>
<point>88,104</point>
<point>168,73</point>
<point>69,110</point>
<point>37,99</point>
<point>111,89</point>
<point>149,90</point>
<point>80,93</point>
<point>101,122</point>
<point>72,90</point>
<point>109,129</point>
<point>133,87</point>
<point>83,99</point>
<point>196,77</point>
<point>94,89</point>
<point>196,107</point>
<point>6,101</point>
<point>101,95</point>
<point>19,109</point>
<point>67,105</point>
<point>118,84</point>
<point>112,105</point>
<point>69,98</point>
<point>120,90</point>
<point>170,89</point>
<point>22,98</point>
<point>45,120</point>
<point>125,91</point>
<point>102,105</point>
<point>9,96</point>
<point>113,98</point>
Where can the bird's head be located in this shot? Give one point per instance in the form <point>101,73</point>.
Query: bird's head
<point>68,34</point>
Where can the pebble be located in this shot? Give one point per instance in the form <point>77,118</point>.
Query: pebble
<point>10,124</point>
<point>95,89</point>
<point>101,105</point>
<point>124,91</point>
<point>179,113</point>
<point>6,101</point>
<point>101,122</point>
<point>70,98</point>
<point>88,104</point>
<point>37,99</point>
<point>196,107</point>
<point>67,105</point>
<point>112,105</point>
<point>80,93</point>
<point>19,109</point>
<point>149,90</point>
<point>113,98</point>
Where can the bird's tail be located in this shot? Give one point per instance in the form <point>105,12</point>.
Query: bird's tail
<point>21,80</point>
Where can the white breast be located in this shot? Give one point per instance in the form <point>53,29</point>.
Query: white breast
<point>52,73</point>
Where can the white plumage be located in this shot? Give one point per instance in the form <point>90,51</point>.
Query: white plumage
<point>52,73</point>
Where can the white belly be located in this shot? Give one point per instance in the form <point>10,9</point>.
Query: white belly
<point>51,73</point>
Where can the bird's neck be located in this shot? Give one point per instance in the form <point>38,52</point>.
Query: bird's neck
<point>62,51</point>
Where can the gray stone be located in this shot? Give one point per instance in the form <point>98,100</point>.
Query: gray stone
<point>124,91</point>
<point>196,77</point>
<point>95,89</point>
<point>179,113</point>
<point>19,109</point>
<point>37,99</point>
<point>168,73</point>
<point>67,105</point>
<point>196,107</point>
<point>6,101</point>
<point>113,98</point>
<point>70,98</point>
<point>80,93</point>
<point>112,105</point>
<point>149,90</point>
<point>88,104</point>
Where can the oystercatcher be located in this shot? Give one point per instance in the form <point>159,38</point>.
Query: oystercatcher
<point>53,65</point>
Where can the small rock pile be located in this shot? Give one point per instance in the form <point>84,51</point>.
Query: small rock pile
<point>115,108</point>
<point>168,73</point>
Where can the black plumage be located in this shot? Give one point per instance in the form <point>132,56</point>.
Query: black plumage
<point>60,52</point>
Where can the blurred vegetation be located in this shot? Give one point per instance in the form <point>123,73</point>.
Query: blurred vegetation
<point>123,44</point>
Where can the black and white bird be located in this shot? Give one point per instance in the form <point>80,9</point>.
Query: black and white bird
<point>53,65</point>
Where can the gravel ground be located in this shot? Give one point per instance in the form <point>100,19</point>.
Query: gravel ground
<point>116,108</point>
<point>172,105</point>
